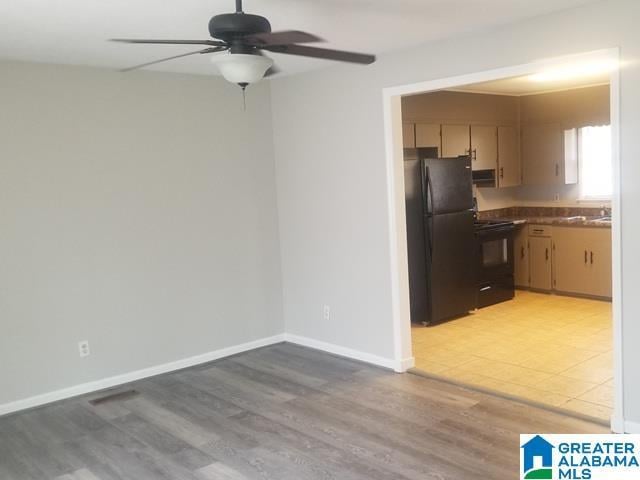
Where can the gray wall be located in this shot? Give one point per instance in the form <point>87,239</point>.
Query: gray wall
<point>330,164</point>
<point>137,211</point>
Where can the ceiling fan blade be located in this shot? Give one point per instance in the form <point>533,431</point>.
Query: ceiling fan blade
<point>325,53</point>
<point>282,38</point>
<point>272,71</point>
<point>206,50</point>
<point>213,43</point>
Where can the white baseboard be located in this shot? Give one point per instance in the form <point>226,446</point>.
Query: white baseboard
<point>395,365</point>
<point>405,364</point>
<point>617,423</point>
<point>631,427</point>
<point>89,387</point>
<point>94,386</point>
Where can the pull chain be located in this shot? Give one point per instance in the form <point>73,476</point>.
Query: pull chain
<point>243,86</point>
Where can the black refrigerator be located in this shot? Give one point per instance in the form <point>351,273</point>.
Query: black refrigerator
<point>440,236</point>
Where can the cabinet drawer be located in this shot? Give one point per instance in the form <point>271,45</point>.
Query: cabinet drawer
<point>540,230</point>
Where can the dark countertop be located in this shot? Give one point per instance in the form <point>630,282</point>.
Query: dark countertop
<point>577,221</point>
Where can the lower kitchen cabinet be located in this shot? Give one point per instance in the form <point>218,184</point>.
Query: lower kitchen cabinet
<point>521,257</point>
<point>570,260</point>
<point>582,260</point>
<point>575,260</point>
<point>600,262</point>
<point>540,263</point>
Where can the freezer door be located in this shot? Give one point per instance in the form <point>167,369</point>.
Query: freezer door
<point>451,265</point>
<point>415,240</point>
<point>447,185</point>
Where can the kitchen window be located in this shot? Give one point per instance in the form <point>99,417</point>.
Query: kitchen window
<point>595,162</point>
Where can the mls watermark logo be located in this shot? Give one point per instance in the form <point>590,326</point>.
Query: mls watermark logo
<point>579,457</point>
<point>537,458</point>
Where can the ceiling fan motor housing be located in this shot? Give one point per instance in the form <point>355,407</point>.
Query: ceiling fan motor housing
<point>232,26</point>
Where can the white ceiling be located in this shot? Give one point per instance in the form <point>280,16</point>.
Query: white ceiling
<point>525,85</point>
<point>75,31</point>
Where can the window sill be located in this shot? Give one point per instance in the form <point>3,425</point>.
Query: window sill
<point>596,200</point>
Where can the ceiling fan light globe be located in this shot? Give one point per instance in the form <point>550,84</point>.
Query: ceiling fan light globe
<point>242,68</point>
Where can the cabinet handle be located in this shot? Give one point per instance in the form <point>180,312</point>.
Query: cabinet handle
<point>591,258</point>
<point>585,257</point>
<point>522,252</point>
<point>546,253</point>
<point>501,172</point>
<point>557,169</point>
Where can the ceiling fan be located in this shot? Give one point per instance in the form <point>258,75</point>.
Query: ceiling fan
<point>245,36</point>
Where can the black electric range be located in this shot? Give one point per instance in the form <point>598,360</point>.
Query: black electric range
<point>494,244</point>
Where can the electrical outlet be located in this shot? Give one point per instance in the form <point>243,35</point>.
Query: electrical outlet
<point>83,348</point>
<point>556,197</point>
<point>326,312</point>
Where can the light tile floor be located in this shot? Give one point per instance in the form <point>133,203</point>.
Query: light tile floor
<point>547,348</point>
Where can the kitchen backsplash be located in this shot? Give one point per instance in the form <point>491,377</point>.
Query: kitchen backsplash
<point>540,212</point>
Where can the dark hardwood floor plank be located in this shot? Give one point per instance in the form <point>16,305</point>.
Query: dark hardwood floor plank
<point>283,412</point>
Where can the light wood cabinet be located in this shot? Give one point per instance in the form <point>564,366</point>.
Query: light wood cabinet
<point>484,147</point>
<point>540,263</point>
<point>541,154</point>
<point>408,135</point>
<point>570,258</point>
<point>521,257</point>
<point>428,135</point>
<point>509,165</point>
<point>455,140</point>
<point>582,261</point>
<point>549,155</point>
<point>600,262</point>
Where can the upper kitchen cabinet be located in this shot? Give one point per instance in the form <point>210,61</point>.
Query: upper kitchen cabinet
<point>428,135</point>
<point>509,165</point>
<point>550,124</point>
<point>408,135</point>
<point>545,158</point>
<point>484,147</point>
<point>455,140</point>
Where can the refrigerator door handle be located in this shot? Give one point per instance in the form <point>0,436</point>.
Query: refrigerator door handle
<point>429,212</point>
<point>429,196</point>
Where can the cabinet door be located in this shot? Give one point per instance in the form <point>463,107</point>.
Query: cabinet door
<point>540,263</point>
<point>428,135</point>
<point>599,245</point>
<point>455,140</point>
<point>408,135</point>
<point>509,171</point>
<point>570,260</point>
<point>542,154</point>
<point>521,257</point>
<point>484,147</point>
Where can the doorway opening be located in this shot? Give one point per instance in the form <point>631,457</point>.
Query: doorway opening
<point>522,298</point>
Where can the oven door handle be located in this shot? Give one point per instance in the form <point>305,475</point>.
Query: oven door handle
<point>495,231</point>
